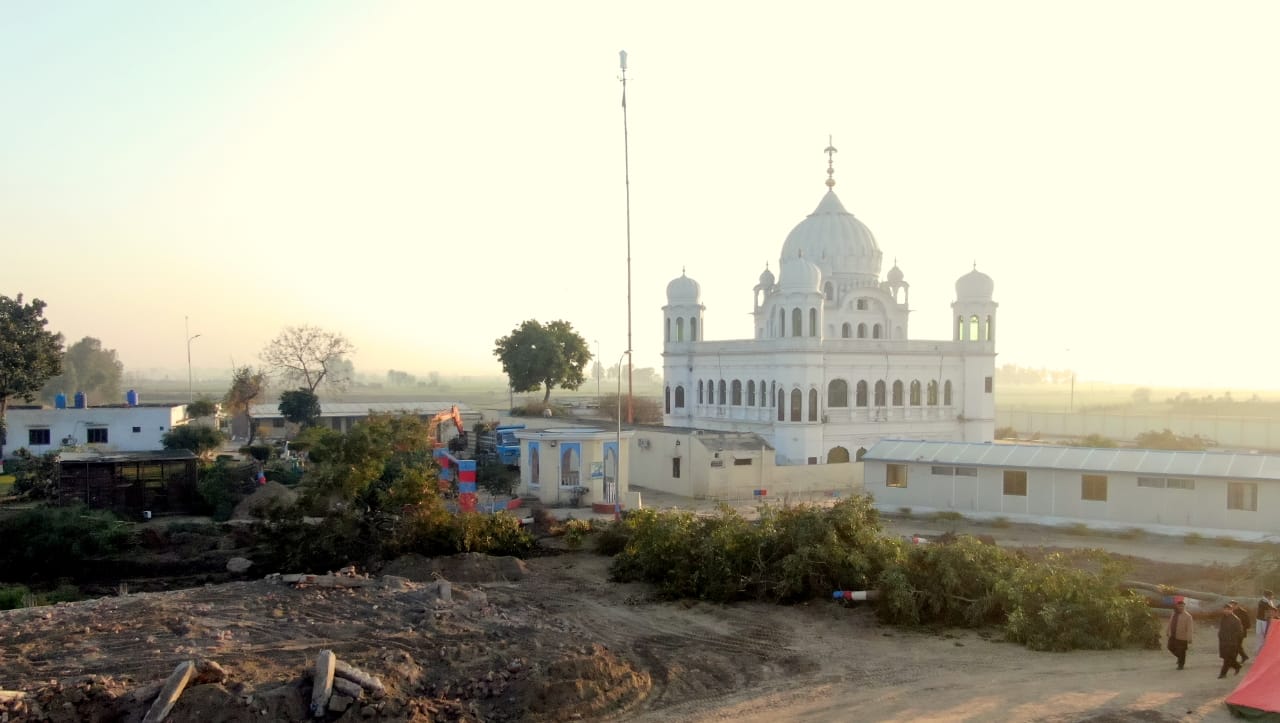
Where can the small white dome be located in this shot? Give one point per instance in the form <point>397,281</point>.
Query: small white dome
<point>974,285</point>
<point>796,273</point>
<point>895,275</point>
<point>683,290</point>
<point>766,278</point>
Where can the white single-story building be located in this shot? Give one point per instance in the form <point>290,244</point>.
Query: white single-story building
<point>1163,491</point>
<point>111,427</point>
<point>726,465</point>
<point>561,464</point>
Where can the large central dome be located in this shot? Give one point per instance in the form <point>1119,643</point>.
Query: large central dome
<point>839,244</point>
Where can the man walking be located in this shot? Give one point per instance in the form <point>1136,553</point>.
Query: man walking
<point>1230,635</point>
<point>1266,610</point>
<point>1246,624</point>
<point>1180,626</point>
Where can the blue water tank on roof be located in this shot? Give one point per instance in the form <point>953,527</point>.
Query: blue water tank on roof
<point>60,401</point>
<point>82,400</point>
<point>131,397</point>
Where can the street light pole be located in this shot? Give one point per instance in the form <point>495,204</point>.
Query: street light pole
<point>186,323</point>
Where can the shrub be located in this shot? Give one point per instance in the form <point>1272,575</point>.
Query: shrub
<point>221,486</point>
<point>1000,522</point>
<point>13,597</point>
<point>612,537</point>
<point>54,542</point>
<point>34,476</point>
<point>1006,433</point>
<point>947,516</point>
<point>575,531</point>
<point>497,479</point>
<point>793,553</point>
<point>1057,606</point>
<point>194,437</point>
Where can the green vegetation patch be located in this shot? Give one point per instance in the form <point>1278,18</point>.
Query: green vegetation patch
<point>803,552</point>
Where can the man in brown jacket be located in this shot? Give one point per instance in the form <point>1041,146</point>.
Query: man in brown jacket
<point>1180,626</point>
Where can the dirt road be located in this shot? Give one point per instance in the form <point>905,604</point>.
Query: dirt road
<point>562,643</point>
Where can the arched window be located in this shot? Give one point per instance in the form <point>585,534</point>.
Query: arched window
<point>693,329</point>
<point>736,399</point>
<point>797,322</point>
<point>974,332</point>
<point>959,336</point>
<point>680,328</point>
<point>838,393</point>
<point>837,455</point>
<point>751,392</point>
<point>782,405</point>
<point>700,397</point>
<point>711,392</point>
<point>813,405</point>
<point>861,396</point>
<point>813,322</point>
<point>991,328</point>
<point>946,393</point>
<point>897,393</point>
<point>829,291</point>
<point>667,399</point>
<point>782,322</point>
<point>680,397</point>
<point>880,393</point>
<point>862,331</point>
<point>862,305</point>
<point>915,392</point>
<point>720,388</point>
<point>846,331</point>
<point>773,389</point>
<point>932,395</point>
<point>797,399</point>
<point>877,332</point>
<point>764,398</point>
<point>668,336</point>
<point>862,451</point>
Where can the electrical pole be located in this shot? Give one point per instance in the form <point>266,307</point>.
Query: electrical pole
<point>626,161</point>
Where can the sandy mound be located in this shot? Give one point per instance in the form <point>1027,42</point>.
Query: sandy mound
<point>271,493</point>
<point>465,567</point>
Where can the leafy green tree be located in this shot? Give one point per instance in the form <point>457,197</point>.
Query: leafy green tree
<point>29,355</point>
<point>202,407</point>
<point>300,406</point>
<point>88,367</point>
<point>536,356</point>
<point>310,356</point>
<point>247,386</point>
<point>196,437</point>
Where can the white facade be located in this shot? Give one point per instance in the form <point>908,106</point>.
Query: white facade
<point>118,428</point>
<point>832,367</point>
<point>556,462</point>
<point>1165,491</point>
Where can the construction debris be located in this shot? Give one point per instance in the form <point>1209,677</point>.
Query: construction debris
<point>173,688</point>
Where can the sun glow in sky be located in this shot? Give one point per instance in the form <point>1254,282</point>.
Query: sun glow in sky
<point>424,176</point>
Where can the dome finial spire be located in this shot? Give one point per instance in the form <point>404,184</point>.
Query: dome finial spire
<point>831,170</point>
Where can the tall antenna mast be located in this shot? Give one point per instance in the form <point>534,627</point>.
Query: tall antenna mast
<point>626,165</point>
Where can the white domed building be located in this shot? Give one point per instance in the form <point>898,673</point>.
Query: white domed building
<point>832,367</point>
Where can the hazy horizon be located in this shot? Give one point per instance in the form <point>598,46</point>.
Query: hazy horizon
<point>423,178</point>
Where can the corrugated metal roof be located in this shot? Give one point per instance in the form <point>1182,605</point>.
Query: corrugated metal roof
<point>360,409</point>
<point>1153,462</point>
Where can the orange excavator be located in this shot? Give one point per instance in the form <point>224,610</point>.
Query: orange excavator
<point>456,444</point>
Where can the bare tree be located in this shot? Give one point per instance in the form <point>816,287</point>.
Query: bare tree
<point>309,356</point>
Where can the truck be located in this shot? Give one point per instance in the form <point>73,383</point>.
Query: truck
<point>500,445</point>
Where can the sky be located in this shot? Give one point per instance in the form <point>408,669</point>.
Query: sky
<point>424,176</point>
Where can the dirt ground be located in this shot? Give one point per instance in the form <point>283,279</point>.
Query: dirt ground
<point>550,639</point>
